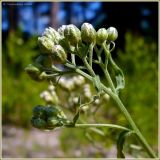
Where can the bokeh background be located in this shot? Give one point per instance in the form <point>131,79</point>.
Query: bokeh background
<point>136,52</point>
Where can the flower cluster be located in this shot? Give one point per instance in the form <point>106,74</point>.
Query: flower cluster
<point>68,37</point>
<point>48,117</point>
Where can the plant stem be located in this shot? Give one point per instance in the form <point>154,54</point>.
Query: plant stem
<point>101,125</point>
<point>122,109</point>
<point>88,67</point>
<point>91,54</point>
<point>135,128</point>
<point>132,123</point>
<point>107,76</point>
<point>73,58</point>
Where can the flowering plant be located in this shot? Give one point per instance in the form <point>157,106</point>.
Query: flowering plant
<point>63,51</point>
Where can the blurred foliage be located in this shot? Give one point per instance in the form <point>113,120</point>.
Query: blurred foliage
<point>139,62</point>
<point>18,88</point>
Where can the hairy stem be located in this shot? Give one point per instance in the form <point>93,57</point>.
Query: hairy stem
<point>91,54</point>
<point>88,67</point>
<point>107,76</point>
<point>73,58</point>
<point>101,125</point>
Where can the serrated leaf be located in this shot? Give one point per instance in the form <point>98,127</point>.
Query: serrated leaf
<point>120,143</point>
<point>120,81</point>
<point>118,75</point>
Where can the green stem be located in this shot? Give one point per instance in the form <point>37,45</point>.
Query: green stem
<point>107,76</point>
<point>132,123</point>
<point>91,54</point>
<point>122,108</point>
<point>88,67</point>
<point>101,125</point>
<point>73,58</point>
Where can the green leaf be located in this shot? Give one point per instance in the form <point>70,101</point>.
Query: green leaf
<point>120,80</point>
<point>78,112</point>
<point>76,117</point>
<point>118,75</point>
<point>120,143</point>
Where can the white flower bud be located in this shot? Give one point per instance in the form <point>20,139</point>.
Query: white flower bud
<point>97,101</point>
<point>72,34</point>
<point>75,100</point>
<point>78,80</point>
<point>44,94</point>
<point>112,34</point>
<point>62,81</point>
<point>52,34</point>
<point>101,36</point>
<point>51,88</point>
<point>106,96</point>
<point>48,98</point>
<point>88,33</point>
<point>59,54</point>
<point>45,44</point>
<point>61,30</point>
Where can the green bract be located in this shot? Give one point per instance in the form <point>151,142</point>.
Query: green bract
<point>88,33</point>
<point>53,122</point>
<point>101,36</point>
<point>112,34</point>
<point>72,34</point>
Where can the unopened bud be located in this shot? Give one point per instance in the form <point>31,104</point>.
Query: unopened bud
<point>54,111</point>
<point>39,111</point>
<point>88,33</point>
<point>31,69</point>
<point>59,53</point>
<point>112,34</point>
<point>102,35</point>
<point>61,30</point>
<point>33,72</point>
<point>52,122</point>
<point>72,34</point>
<point>46,44</point>
<point>38,123</point>
<point>52,34</point>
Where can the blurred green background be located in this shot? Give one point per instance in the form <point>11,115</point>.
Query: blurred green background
<point>136,52</point>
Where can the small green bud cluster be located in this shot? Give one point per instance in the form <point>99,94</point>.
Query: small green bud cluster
<point>48,117</point>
